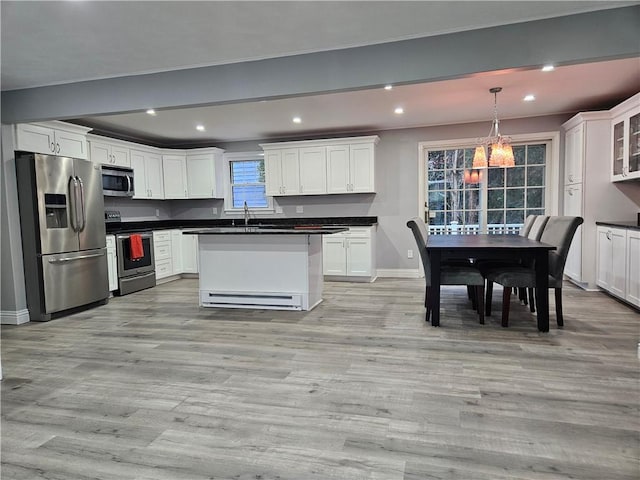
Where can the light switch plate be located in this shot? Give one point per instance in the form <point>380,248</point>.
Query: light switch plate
<point>278,209</point>
<point>214,210</point>
<point>299,209</point>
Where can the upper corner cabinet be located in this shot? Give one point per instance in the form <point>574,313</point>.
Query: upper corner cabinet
<point>625,140</point>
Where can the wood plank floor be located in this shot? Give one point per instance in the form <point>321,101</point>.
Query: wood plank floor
<point>152,387</point>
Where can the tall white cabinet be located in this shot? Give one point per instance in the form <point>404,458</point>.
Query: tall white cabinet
<point>588,191</point>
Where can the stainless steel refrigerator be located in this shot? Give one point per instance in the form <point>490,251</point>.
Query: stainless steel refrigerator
<point>63,234</point>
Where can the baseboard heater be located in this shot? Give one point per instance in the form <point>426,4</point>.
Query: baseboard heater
<point>280,301</point>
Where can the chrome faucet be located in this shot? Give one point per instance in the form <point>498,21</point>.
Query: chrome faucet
<point>246,214</point>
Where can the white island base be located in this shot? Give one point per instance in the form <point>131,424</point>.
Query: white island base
<point>282,272</point>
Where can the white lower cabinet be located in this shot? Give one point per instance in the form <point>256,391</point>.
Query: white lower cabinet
<point>632,292</point>
<point>350,254</point>
<point>112,263</point>
<point>162,253</point>
<point>619,263</point>
<point>189,254</point>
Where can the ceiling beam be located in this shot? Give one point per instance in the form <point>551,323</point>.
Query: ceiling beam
<point>601,35</point>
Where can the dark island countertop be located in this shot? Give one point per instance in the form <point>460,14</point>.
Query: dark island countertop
<point>266,230</point>
<point>127,227</point>
<point>622,224</point>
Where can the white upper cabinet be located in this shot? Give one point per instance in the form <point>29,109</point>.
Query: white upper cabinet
<point>108,153</point>
<point>174,169</point>
<point>317,167</point>
<point>205,174</point>
<point>625,140</point>
<point>147,170</point>
<point>574,155</point>
<point>53,138</point>
<point>350,168</point>
<point>282,172</point>
<point>313,170</point>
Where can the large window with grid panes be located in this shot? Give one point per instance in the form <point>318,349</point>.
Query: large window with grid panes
<point>492,200</point>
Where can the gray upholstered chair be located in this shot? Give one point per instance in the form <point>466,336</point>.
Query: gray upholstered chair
<point>528,223</point>
<point>450,274</point>
<point>557,231</point>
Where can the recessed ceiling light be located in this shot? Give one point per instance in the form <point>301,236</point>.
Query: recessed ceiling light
<point>529,98</point>
<point>151,111</point>
<point>399,111</point>
<point>548,68</point>
<point>388,87</point>
<point>297,120</point>
<point>200,128</point>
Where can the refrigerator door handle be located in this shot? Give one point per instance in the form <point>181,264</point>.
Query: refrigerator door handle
<point>73,196</point>
<point>83,213</point>
<point>80,257</point>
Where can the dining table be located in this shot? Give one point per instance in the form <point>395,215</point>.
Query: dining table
<point>499,247</point>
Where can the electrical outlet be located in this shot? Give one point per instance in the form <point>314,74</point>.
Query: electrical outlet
<point>214,210</point>
<point>278,209</point>
<point>299,209</point>
<point>157,212</point>
<point>409,253</point>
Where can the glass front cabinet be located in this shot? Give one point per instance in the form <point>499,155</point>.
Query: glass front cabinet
<point>625,137</point>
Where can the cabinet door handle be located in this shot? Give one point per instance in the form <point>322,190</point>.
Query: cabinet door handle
<point>53,147</point>
<point>301,189</point>
<point>608,234</point>
<point>58,148</point>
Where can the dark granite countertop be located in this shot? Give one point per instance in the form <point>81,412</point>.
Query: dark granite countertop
<point>628,225</point>
<point>123,227</point>
<point>266,230</point>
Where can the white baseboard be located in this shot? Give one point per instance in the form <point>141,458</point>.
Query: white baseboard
<point>399,273</point>
<point>14,317</point>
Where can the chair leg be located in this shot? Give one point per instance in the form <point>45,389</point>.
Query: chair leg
<point>427,304</point>
<point>559,318</point>
<point>470,292</point>
<point>532,300</point>
<point>480,297</point>
<point>506,298</point>
<point>487,304</point>
<point>522,295</point>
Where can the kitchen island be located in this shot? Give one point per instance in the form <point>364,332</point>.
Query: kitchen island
<point>267,267</point>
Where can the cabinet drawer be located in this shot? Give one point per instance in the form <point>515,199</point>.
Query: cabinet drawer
<point>164,236</point>
<point>161,250</point>
<point>164,268</point>
<point>358,232</point>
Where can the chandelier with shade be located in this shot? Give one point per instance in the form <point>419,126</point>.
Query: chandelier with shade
<point>496,145</point>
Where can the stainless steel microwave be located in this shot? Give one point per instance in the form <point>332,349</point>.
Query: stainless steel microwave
<point>117,181</point>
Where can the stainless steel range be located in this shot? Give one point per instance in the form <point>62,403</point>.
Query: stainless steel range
<point>135,272</point>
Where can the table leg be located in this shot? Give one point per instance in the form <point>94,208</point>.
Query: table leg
<point>435,288</point>
<point>542,290</point>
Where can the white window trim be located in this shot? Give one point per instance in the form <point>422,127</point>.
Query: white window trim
<point>552,182</point>
<point>228,201</point>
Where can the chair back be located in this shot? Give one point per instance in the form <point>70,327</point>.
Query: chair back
<point>537,227</point>
<point>559,232</point>
<point>528,223</point>
<point>417,226</point>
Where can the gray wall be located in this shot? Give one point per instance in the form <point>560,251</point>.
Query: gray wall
<point>396,199</point>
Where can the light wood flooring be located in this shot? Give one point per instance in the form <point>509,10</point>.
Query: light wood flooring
<point>151,387</point>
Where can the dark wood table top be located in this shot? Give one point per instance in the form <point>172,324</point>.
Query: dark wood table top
<point>484,241</point>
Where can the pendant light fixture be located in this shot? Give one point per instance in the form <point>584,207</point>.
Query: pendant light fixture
<point>500,150</point>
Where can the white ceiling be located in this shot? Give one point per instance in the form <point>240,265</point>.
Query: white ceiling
<point>46,43</point>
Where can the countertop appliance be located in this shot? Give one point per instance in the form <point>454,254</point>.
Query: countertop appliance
<point>63,235</point>
<point>117,181</point>
<point>134,273</point>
